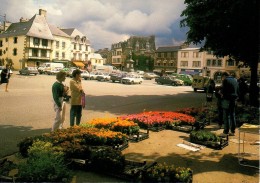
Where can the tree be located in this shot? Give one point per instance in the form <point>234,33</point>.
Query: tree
<point>229,28</point>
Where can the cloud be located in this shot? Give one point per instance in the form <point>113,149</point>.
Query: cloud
<point>106,22</point>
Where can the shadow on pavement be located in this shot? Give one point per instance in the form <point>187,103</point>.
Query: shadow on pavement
<point>198,163</point>
<point>11,135</point>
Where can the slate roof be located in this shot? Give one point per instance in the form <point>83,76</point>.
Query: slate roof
<point>57,32</point>
<point>168,48</point>
<point>73,32</point>
<point>37,26</point>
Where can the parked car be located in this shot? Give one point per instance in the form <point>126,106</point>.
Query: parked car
<point>85,74</point>
<point>170,80</point>
<point>103,77</point>
<point>132,79</point>
<point>150,76</point>
<point>94,75</point>
<point>117,77</point>
<point>187,79</point>
<point>200,83</point>
<point>28,71</point>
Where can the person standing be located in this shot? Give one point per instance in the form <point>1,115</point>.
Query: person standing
<point>76,96</point>
<point>243,90</point>
<point>229,93</point>
<point>59,90</point>
<point>5,76</point>
<point>219,106</point>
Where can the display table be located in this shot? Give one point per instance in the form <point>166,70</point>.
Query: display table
<point>242,131</point>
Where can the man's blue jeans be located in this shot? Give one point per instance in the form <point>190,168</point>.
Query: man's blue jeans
<point>229,117</point>
<point>75,112</point>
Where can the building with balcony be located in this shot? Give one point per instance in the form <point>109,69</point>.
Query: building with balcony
<point>60,46</point>
<point>32,42</point>
<point>27,43</point>
<point>79,47</point>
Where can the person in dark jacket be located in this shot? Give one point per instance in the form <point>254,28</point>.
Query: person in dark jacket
<point>243,89</point>
<point>229,93</point>
<point>219,105</point>
<point>59,90</point>
<point>5,76</point>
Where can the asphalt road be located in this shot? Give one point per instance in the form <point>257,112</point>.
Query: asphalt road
<point>27,108</point>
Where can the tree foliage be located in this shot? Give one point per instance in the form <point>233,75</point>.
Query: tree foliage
<point>227,27</point>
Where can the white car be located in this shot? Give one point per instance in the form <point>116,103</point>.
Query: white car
<point>132,79</point>
<point>85,74</point>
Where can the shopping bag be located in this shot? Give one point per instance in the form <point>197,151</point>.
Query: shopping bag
<point>83,100</point>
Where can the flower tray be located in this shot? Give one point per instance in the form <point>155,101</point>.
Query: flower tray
<point>121,147</point>
<point>132,171</point>
<point>166,178</point>
<point>214,145</point>
<point>157,128</point>
<point>182,128</point>
<point>139,136</point>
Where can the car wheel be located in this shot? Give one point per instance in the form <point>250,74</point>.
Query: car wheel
<point>140,82</point>
<point>132,82</point>
<point>173,84</point>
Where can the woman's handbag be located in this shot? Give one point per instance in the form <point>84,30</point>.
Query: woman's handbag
<point>83,100</point>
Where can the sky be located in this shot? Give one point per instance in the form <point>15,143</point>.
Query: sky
<point>105,22</point>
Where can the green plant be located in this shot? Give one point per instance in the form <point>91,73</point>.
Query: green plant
<point>45,163</point>
<point>203,135</point>
<point>107,159</point>
<point>162,172</point>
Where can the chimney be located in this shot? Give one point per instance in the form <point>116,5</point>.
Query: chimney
<point>42,12</point>
<point>6,25</point>
<point>23,19</point>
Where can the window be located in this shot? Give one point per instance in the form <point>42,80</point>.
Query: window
<point>230,62</point>
<point>63,55</point>
<point>196,54</point>
<point>6,39</point>
<point>219,63</point>
<point>36,41</point>
<point>80,47</point>
<point>15,51</point>
<point>159,55</point>
<point>75,46</point>
<point>44,42</point>
<point>57,54</point>
<point>184,63</point>
<point>43,53</point>
<point>57,44</point>
<point>196,64</point>
<point>214,63</point>
<point>1,43</point>
<point>34,52</point>
<point>184,54</point>
<point>1,52</point>
<point>63,45</point>
<point>208,62</point>
<point>15,39</point>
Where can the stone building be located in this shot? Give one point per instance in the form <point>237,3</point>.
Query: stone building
<point>122,53</point>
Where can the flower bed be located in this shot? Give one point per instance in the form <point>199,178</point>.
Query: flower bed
<point>116,124</point>
<point>208,139</point>
<point>159,120</point>
<point>75,140</point>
